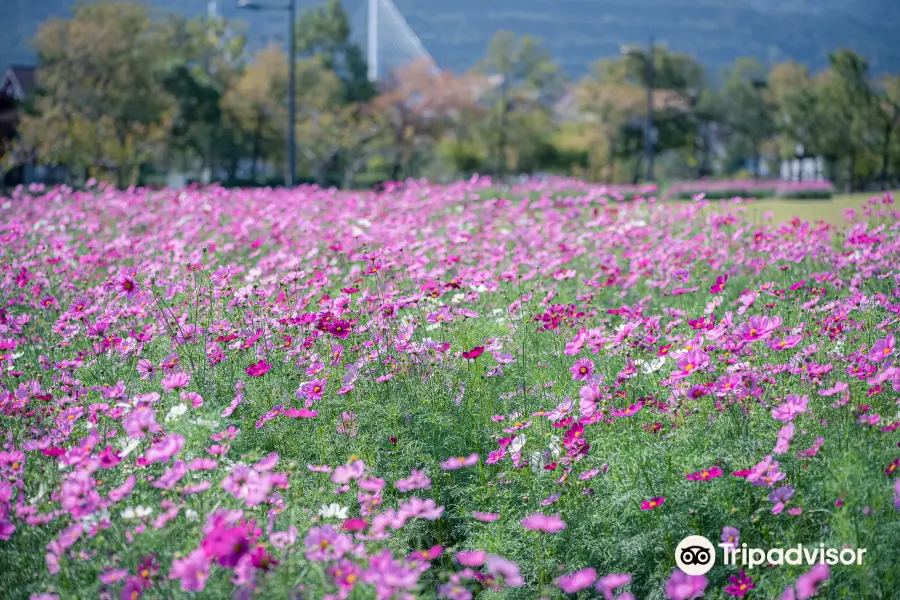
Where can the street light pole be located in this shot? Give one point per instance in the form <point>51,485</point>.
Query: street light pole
<point>292,99</point>
<point>291,8</point>
<point>648,127</point>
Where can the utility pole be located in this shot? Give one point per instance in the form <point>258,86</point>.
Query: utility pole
<point>292,97</point>
<point>648,127</point>
<point>372,54</point>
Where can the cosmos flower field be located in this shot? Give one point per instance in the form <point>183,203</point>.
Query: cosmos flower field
<point>439,392</point>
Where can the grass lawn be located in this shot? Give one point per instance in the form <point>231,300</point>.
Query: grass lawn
<point>783,210</point>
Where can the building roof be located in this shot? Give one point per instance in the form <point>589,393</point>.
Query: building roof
<point>18,82</point>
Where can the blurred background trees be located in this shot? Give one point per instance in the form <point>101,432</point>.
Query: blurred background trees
<point>130,96</point>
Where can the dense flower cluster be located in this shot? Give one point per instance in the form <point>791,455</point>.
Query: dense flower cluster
<point>434,392</point>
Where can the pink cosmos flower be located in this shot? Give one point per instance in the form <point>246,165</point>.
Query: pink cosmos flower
<point>757,328</point>
<point>780,497</point>
<point>792,406</point>
<point>458,462</point>
<point>808,584</point>
<point>113,576</point>
<point>730,536</point>
<point>165,449</point>
<point>473,353</point>
<point>441,316</point>
<point>471,558</point>
<point>784,343</point>
<point>176,381</point>
<point>577,581</point>
<point>486,517</point>
<point>765,473</point>
<point>326,544</point>
<point>882,348</point>
<point>349,472</point>
<point>681,586</point>
<point>126,284</point>
<point>607,584</point>
<point>193,571</point>
<point>311,390</point>
<point>141,421</point>
<point>719,285</point>
<point>690,362</point>
<point>248,485</point>
<point>146,370</point>
<point>582,369</point>
<point>785,435</point>
<point>172,476</point>
<point>544,523</point>
<point>416,481</point>
<point>504,569</point>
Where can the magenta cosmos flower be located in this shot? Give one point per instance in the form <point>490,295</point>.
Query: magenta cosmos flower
<point>652,503</point>
<point>706,474</point>
<point>258,369</point>
<point>544,523</point>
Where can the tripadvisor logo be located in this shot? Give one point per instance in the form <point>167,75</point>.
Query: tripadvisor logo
<point>696,555</point>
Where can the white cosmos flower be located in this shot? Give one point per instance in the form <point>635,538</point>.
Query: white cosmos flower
<point>652,366</point>
<point>137,512</point>
<point>175,413</point>
<point>191,515</point>
<point>518,443</point>
<point>128,446</point>
<point>333,511</point>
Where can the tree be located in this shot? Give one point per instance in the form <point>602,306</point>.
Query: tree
<point>416,105</point>
<point>254,106</point>
<point>750,111</point>
<point>887,112</point>
<point>608,104</point>
<point>847,108</point>
<point>528,80</point>
<point>799,119</point>
<point>209,58</point>
<point>100,100</point>
<point>324,32</point>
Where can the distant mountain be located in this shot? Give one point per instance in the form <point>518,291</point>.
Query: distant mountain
<point>578,32</point>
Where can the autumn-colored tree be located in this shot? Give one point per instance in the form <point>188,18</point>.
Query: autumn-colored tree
<point>419,103</point>
<point>607,103</point>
